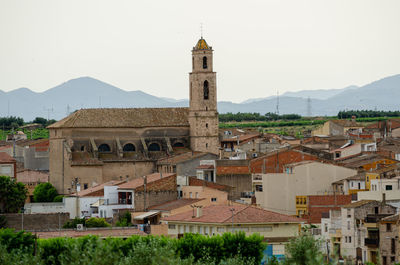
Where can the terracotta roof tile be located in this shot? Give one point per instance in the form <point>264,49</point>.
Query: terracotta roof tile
<point>138,182</point>
<point>242,214</point>
<point>125,118</point>
<point>5,158</point>
<point>175,204</point>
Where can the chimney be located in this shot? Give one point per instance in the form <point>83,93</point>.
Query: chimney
<point>199,212</point>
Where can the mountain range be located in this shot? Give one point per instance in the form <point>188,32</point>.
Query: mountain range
<point>87,92</point>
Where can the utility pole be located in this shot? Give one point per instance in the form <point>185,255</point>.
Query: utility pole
<point>308,107</point>
<point>277,102</point>
<point>144,194</point>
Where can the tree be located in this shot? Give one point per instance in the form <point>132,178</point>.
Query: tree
<point>304,250</point>
<point>12,195</point>
<point>45,192</point>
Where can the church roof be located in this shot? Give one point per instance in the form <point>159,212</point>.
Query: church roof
<point>125,118</point>
<point>202,45</point>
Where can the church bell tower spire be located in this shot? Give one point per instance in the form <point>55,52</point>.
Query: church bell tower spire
<point>203,115</point>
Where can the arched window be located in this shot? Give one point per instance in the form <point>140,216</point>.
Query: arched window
<point>104,148</point>
<point>204,62</point>
<point>154,147</point>
<point>129,148</point>
<point>178,144</point>
<point>205,90</point>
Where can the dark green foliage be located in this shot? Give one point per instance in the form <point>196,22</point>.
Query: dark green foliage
<point>304,250</point>
<point>218,248</point>
<point>58,198</point>
<point>12,195</point>
<point>11,122</point>
<point>96,222</point>
<point>44,192</point>
<point>72,223</point>
<point>272,124</point>
<point>3,221</point>
<point>44,122</point>
<point>16,240</point>
<point>239,117</point>
<point>367,114</point>
<point>140,250</point>
<point>124,219</point>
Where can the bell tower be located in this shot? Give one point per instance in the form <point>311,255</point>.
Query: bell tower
<point>203,115</point>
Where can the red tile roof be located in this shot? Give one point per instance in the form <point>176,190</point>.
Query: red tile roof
<point>109,232</point>
<point>175,204</point>
<point>5,158</point>
<point>205,167</point>
<point>180,158</point>
<point>193,181</point>
<point>242,214</point>
<point>135,183</point>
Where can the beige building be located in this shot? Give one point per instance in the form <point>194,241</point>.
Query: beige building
<point>278,191</point>
<point>276,228</point>
<point>337,127</point>
<point>93,146</point>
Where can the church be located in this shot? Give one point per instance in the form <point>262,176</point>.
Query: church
<point>93,146</point>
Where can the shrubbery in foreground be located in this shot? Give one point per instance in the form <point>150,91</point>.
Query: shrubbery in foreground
<point>229,249</point>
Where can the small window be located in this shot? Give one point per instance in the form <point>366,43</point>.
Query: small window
<point>205,90</point>
<point>171,226</point>
<point>197,195</point>
<point>178,144</point>
<point>389,187</point>
<point>206,145</point>
<point>204,62</point>
<point>213,199</point>
<point>129,148</point>
<point>85,186</point>
<point>190,195</point>
<point>104,148</point>
<point>349,239</point>
<point>348,225</point>
<point>82,148</point>
<point>206,125</point>
<point>388,227</point>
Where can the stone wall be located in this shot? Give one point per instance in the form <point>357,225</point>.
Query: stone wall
<point>153,198</point>
<point>37,222</point>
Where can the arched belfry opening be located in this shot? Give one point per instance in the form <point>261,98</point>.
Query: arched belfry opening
<point>205,62</point>
<point>206,90</point>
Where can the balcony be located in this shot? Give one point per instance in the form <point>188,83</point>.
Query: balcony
<point>375,218</point>
<point>372,242</point>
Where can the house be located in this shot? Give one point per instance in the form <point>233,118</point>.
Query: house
<point>276,228</point>
<point>351,185</point>
<point>8,165</point>
<point>389,247</point>
<point>389,147</point>
<point>276,161</point>
<point>184,165</point>
<point>107,199</point>
<point>33,154</point>
<point>31,178</point>
<point>383,189</point>
<point>367,162</point>
<point>360,229</point>
<point>331,231</point>
<point>278,191</point>
<point>338,127</point>
<point>385,128</point>
<point>346,151</point>
<point>312,207</point>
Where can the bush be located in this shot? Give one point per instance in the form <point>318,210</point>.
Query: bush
<point>72,223</point>
<point>96,222</point>
<point>16,240</point>
<point>44,192</point>
<point>124,219</point>
<point>58,198</point>
<point>12,195</point>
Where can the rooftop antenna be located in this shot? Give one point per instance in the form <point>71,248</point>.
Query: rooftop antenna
<point>68,110</point>
<point>48,112</point>
<point>308,107</point>
<point>277,102</point>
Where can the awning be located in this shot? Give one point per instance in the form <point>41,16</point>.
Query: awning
<point>146,215</point>
<point>98,203</point>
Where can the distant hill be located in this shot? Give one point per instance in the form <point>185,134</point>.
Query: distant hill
<point>86,92</point>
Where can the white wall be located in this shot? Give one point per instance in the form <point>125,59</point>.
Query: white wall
<point>314,178</point>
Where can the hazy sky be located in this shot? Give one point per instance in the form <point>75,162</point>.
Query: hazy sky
<point>260,46</point>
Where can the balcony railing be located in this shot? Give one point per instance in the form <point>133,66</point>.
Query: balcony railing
<point>372,242</point>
